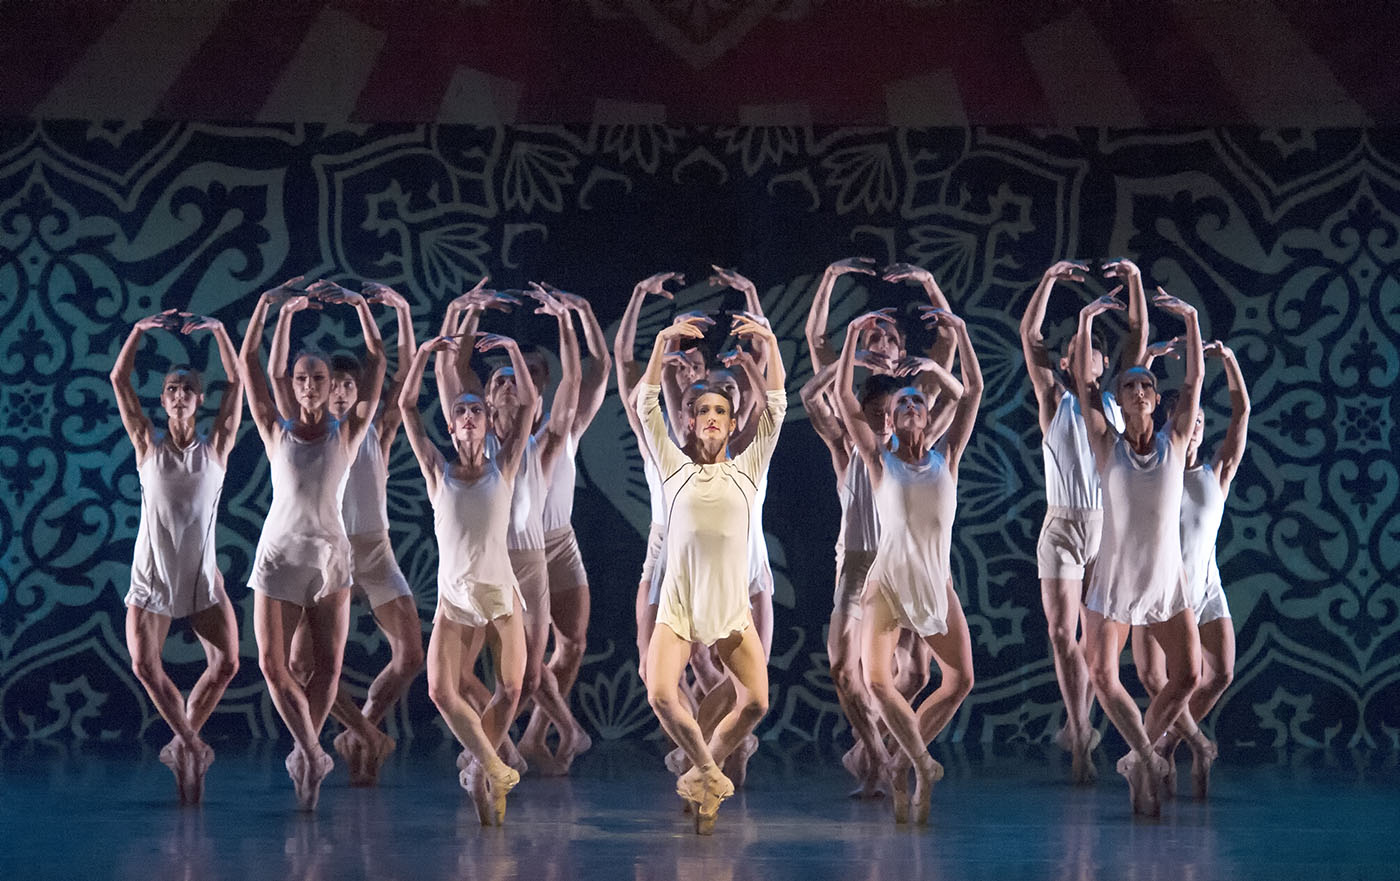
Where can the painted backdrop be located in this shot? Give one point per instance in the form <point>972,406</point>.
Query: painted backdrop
<point>1289,240</point>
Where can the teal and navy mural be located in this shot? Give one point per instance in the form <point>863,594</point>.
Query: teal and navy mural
<point>1287,239</point>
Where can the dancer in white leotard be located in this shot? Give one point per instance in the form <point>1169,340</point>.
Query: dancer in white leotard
<point>526,537</point>
<point>1070,534</point>
<point>1139,578</point>
<point>477,587</point>
<point>374,571</point>
<point>704,597</point>
<point>174,572</point>
<point>910,582</point>
<point>569,598</point>
<point>1206,487</point>
<point>301,569</point>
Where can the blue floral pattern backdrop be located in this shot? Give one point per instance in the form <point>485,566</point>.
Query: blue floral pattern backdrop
<point>1289,240</point>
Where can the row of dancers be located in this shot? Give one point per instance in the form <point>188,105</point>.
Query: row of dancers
<point>1120,550</point>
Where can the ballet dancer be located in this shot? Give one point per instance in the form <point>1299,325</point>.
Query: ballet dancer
<point>301,568</point>
<point>910,582</point>
<point>373,568</point>
<point>704,595</point>
<point>1206,486</point>
<point>174,571</point>
<point>477,585</point>
<point>1139,578</point>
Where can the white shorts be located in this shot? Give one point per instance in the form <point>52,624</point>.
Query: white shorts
<point>301,570</point>
<point>1212,605</point>
<point>376,573</point>
<point>761,581</point>
<point>175,602</point>
<point>564,562</point>
<point>851,569</point>
<point>532,575</point>
<point>1069,541</point>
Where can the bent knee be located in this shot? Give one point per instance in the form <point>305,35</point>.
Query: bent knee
<point>147,670</point>
<point>959,683</point>
<point>224,668</point>
<point>410,657</point>
<point>1219,680</point>
<point>1063,639</point>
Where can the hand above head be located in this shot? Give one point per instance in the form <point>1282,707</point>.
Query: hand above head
<point>906,272</point>
<point>549,303</point>
<point>912,365</point>
<point>300,302</point>
<point>737,357</point>
<point>1122,268</point>
<point>1166,349</point>
<point>656,284</point>
<point>863,265</point>
<point>1067,270</point>
<point>1174,305</point>
<point>693,316</point>
<point>284,290</point>
<point>731,278</point>
<point>872,320</point>
<point>328,291</point>
<point>873,361</point>
<point>746,324</point>
<point>374,292</point>
<point>170,319</point>
<point>1109,302</point>
<point>690,326</point>
<point>569,301</point>
<point>487,341</point>
<point>934,316</point>
<point>199,322</point>
<point>675,360</point>
<point>440,344</point>
<point>1217,349</point>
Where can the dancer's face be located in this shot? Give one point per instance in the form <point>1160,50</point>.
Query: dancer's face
<point>725,382</point>
<point>311,382</point>
<point>877,415</point>
<point>501,390</point>
<point>909,408</point>
<point>694,369</point>
<point>180,395</point>
<point>343,395</point>
<point>1137,392</point>
<point>1198,433</point>
<point>468,419</point>
<point>713,418</point>
<point>885,340</point>
<point>1098,361</point>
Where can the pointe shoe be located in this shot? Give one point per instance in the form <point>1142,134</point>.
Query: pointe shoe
<point>898,776</point>
<point>474,782</point>
<point>170,757</point>
<point>924,778</point>
<point>351,749</point>
<point>497,787</point>
<point>1082,770</point>
<point>198,759</point>
<point>717,787</point>
<point>1202,758</point>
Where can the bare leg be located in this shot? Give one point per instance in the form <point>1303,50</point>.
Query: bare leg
<point>1151,664</point>
<point>704,785</point>
<point>646,623</point>
<point>1218,671</point>
<point>540,684</point>
<point>1103,642</point>
<point>445,658</point>
<point>953,651</point>
<point>1169,710</point>
<point>217,629</point>
<point>1060,597</point>
<point>145,636</point>
<point>569,611</point>
<point>274,622</point>
<point>879,635</point>
<point>843,650</point>
<point>399,622</point>
<point>912,659</point>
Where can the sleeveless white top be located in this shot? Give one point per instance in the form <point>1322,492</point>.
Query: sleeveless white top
<point>860,524</point>
<point>174,556</point>
<point>912,567</point>
<point>470,521</point>
<point>705,592</point>
<point>1202,509</point>
<point>365,507</point>
<point>527,504</point>
<point>559,494</point>
<point>1139,578</point>
<point>303,525</point>
<point>1071,480</point>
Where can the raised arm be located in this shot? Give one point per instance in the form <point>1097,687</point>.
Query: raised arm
<point>1183,420</point>
<point>1227,459</point>
<point>513,445</point>
<point>752,305</point>
<point>279,356</point>
<point>260,401</point>
<point>625,342</point>
<point>230,415</point>
<point>965,414</point>
<point>406,347</point>
<point>359,419</point>
<point>593,378</point>
<point>455,374</point>
<point>1038,365</point>
<point>564,407</point>
<point>754,382</point>
<point>430,460</point>
<point>818,343</point>
<point>134,419</point>
<point>816,395</point>
<point>944,344</point>
<point>1087,387</point>
<point>1128,275</point>
<point>848,405</point>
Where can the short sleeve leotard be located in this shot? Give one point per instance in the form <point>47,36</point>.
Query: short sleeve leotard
<point>704,593</point>
<point>173,570</point>
<point>912,568</point>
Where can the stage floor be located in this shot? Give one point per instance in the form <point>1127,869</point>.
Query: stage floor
<point>108,812</point>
